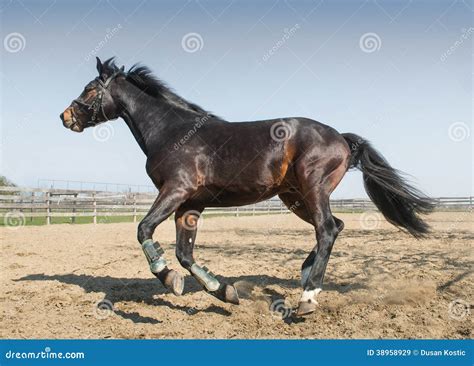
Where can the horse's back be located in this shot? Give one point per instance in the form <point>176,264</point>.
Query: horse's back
<point>278,130</point>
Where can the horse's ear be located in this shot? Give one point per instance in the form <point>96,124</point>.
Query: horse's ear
<point>122,69</point>
<point>99,66</point>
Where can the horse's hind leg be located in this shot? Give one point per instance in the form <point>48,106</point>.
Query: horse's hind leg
<point>316,188</point>
<point>314,267</point>
<point>309,261</point>
<point>166,203</point>
<point>186,219</point>
<point>295,202</point>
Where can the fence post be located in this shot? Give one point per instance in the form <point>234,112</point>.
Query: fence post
<point>48,209</point>
<point>134,207</point>
<point>32,203</point>
<point>94,203</point>
<point>73,218</point>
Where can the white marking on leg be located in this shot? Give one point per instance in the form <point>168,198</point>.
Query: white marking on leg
<point>310,296</point>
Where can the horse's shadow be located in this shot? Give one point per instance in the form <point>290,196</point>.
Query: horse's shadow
<point>141,290</point>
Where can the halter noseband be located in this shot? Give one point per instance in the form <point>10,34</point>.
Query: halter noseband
<point>96,105</point>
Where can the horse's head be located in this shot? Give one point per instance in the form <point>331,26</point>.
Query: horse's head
<point>95,104</point>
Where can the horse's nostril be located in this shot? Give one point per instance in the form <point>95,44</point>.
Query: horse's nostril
<point>61,116</point>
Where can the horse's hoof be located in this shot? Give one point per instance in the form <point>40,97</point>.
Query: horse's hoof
<point>226,293</point>
<point>175,282</point>
<point>305,308</point>
<point>231,295</point>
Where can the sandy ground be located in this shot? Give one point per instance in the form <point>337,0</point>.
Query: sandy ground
<point>380,283</point>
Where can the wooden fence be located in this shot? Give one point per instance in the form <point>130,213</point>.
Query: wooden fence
<point>50,203</point>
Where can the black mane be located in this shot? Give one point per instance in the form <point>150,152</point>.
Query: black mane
<point>143,78</point>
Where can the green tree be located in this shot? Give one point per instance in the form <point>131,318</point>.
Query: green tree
<point>5,182</point>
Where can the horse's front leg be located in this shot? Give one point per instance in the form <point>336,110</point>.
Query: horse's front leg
<point>186,220</point>
<point>166,203</point>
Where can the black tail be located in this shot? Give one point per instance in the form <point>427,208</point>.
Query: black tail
<point>399,202</point>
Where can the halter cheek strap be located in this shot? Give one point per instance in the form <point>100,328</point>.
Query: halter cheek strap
<point>97,104</point>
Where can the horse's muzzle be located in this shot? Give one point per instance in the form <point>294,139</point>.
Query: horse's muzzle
<point>69,120</point>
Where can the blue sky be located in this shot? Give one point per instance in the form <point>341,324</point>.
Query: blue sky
<point>396,72</point>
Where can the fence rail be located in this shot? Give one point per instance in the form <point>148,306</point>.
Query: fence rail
<point>49,203</point>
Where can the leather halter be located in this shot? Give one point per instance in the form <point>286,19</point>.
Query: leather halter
<point>97,104</point>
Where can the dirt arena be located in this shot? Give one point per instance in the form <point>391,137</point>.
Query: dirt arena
<point>380,283</point>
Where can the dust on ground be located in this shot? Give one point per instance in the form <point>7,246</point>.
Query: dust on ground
<point>60,281</point>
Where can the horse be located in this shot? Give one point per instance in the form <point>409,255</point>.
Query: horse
<point>197,160</point>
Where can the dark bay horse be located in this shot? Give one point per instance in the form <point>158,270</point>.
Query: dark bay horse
<point>198,160</point>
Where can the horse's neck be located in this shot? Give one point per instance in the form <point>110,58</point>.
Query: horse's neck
<point>142,115</point>
<point>151,119</point>
<point>138,131</point>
